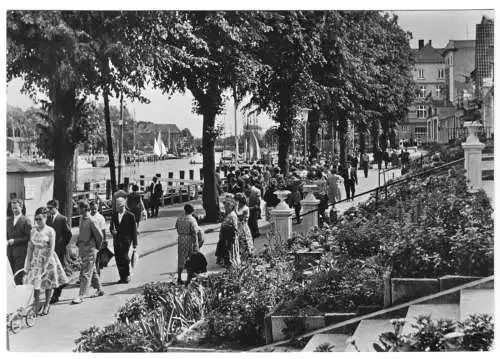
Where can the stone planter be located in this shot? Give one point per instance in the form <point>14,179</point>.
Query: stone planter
<point>450,281</point>
<point>278,324</point>
<point>405,289</point>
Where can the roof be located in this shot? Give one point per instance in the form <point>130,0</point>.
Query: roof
<point>428,54</point>
<point>454,45</point>
<point>17,166</point>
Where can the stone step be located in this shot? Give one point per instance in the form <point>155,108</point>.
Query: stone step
<point>338,341</point>
<point>367,333</point>
<point>436,311</point>
<point>474,301</point>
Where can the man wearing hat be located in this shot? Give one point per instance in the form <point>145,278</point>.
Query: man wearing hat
<point>124,231</point>
<point>63,237</point>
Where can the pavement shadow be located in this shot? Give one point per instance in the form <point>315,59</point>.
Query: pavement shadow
<point>131,291</point>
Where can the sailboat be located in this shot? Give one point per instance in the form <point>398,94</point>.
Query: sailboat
<point>161,145</point>
<point>156,149</point>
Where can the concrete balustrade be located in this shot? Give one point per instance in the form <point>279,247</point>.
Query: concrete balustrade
<point>472,156</point>
<point>310,207</point>
<point>281,216</point>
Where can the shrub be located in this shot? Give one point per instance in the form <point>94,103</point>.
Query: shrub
<point>133,310</point>
<point>478,332</point>
<point>117,337</point>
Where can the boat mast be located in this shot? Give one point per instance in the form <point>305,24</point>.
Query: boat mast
<point>120,148</point>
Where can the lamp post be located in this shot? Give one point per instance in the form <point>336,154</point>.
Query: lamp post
<point>304,114</point>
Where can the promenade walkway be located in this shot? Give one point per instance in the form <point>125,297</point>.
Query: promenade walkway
<point>158,249</point>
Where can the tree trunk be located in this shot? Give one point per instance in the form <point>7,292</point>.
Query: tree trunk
<point>64,152</point>
<point>109,140</point>
<point>374,131</point>
<point>210,185</point>
<point>283,148</point>
<point>312,128</point>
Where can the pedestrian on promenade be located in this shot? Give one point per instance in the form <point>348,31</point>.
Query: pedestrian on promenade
<point>18,235</point>
<point>89,242</point>
<point>228,248</point>
<point>124,231</point>
<point>188,239</point>
<point>13,196</point>
<point>350,181</point>
<point>100,222</point>
<point>244,235</point>
<point>43,269</point>
<point>333,182</point>
<point>121,193</point>
<point>366,162</point>
<point>156,191</point>
<point>135,205</point>
<point>385,157</point>
<point>61,227</point>
<point>253,194</point>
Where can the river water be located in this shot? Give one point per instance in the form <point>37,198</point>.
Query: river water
<point>148,169</point>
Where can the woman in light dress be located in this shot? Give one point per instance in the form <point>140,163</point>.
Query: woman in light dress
<point>42,266</point>
<point>187,229</point>
<point>244,234</point>
<point>228,247</point>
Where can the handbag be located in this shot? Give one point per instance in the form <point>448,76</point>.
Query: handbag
<point>201,240</point>
<point>104,256</point>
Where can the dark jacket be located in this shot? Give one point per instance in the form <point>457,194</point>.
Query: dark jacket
<point>353,174</point>
<point>63,234</point>
<point>21,233</point>
<point>126,230</point>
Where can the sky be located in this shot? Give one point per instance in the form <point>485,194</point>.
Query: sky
<point>436,25</point>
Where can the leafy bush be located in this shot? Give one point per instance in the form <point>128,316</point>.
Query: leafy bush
<point>133,310</point>
<point>478,332</point>
<point>475,333</point>
<point>117,337</point>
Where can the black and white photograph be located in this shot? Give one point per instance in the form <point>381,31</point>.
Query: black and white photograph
<point>221,180</point>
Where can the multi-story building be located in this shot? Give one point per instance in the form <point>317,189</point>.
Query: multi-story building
<point>459,63</point>
<point>484,67</point>
<point>430,79</point>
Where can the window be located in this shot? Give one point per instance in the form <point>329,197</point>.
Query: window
<point>420,73</point>
<point>421,111</point>
<point>421,91</point>
<point>439,91</point>
<point>441,74</point>
<point>420,131</point>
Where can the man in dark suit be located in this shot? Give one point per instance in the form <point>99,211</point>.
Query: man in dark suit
<point>156,191</point>
<point>18,235</point>
<point>350,181</point>
<point>124,231</point>
<point>63,237</point>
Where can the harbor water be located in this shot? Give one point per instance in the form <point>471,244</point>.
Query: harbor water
<point>148,169</point>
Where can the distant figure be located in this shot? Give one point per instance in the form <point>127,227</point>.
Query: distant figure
<point>350,181</point>
<point>156,191</point>
<point>253,194</point>
<point>124,231</point>
<point>43,269</point>
<point>135,204</point>
<point>244,235</point>
<point>365,159</point>
<point>228,248</point>
<point>187,240</point>
<point>333,182</point>
<point>13,196</point>
<point>18,235</point>
<point>63,236</point>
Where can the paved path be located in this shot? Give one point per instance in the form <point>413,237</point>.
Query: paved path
<point>158,248</point>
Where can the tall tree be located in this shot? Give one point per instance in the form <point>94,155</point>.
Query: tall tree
<point>290,49</point>
<point>44,52</point>
<point>218,42</point>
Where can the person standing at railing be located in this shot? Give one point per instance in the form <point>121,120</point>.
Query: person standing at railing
<point>156,191</point>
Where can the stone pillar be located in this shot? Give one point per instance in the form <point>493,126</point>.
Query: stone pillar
<point>282,216</point>
<point>310,203</point>
<point>472,156</point>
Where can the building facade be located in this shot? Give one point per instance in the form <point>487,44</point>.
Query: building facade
<point>484,71</point>
<point>430,79</point>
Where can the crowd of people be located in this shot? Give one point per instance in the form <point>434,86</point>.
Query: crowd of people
<point>38,253</point>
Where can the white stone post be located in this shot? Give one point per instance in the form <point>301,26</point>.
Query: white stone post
<point>310,203</point>
<point>281,216</point>
<point>472,156</point>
